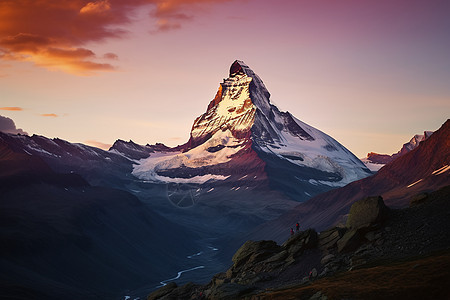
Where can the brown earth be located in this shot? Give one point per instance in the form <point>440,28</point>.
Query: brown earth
<point>422,278</point>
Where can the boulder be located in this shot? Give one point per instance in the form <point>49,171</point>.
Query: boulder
<point>366,213</point>
<point>328,238</point>
<point>220,278</point>
<point>418,199</point>
<point>326,259</point>
<point>305,240</point>
<point>350,241</point>
<point>256,251</point>
<point>277,257</point>
<point>372,236</point>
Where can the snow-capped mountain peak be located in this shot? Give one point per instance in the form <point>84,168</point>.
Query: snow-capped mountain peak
<point>242,133</point>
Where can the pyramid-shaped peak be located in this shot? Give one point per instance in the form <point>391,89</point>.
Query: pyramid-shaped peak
<point>238,67</point>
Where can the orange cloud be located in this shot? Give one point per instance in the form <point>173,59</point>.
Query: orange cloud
<point>13,108</point>
<point>54,34</point>
<point>49,115</point>
<point>98,144</point>
<point>96,7</point>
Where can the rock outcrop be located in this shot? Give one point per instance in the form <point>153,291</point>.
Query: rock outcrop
<point>366,213</point>
<point>259,261</point>
<point>373,233</point>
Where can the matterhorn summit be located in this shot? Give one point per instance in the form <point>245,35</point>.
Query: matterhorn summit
<point>245,141</point>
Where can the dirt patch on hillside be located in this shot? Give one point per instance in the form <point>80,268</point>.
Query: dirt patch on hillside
<point>424,278</point>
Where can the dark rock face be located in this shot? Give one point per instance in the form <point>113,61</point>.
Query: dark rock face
<point>131,149</point>
<point>329,238</point>
<point>418,199</point>
<point>261,261</point>
<point>350,241</point>
<point>254,252</point>
<point>299,242</point>
<point>294,128</point>
<point>366,213</point>
<point>236,68</point>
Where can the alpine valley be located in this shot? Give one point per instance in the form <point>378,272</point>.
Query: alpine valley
<point>78,222</point>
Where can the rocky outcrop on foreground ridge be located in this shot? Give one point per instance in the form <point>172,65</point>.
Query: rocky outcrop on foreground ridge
<point>374,235</point>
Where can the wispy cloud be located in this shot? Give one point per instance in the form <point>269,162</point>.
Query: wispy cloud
<point>54,34</point>
<point>49,115</point>
<point>12,108</point>
<point>110,56</point>
<point>98,144</point>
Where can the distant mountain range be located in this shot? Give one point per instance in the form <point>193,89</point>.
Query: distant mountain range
<point>375,161</point>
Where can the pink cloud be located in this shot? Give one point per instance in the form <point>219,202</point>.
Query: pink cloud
<point>54,34</point>
<point>110,56</point>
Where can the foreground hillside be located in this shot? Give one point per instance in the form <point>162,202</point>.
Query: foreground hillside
<point>421,278</point>
<point>381,252</point>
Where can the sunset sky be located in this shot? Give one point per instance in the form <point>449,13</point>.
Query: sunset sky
<point>370,73</point>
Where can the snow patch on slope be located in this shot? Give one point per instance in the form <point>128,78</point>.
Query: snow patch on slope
<point>374,167</point>
<point>322,152</point>
<point>198,157</point>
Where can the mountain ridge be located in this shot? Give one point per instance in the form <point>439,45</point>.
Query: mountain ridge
<point>375,161</point>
